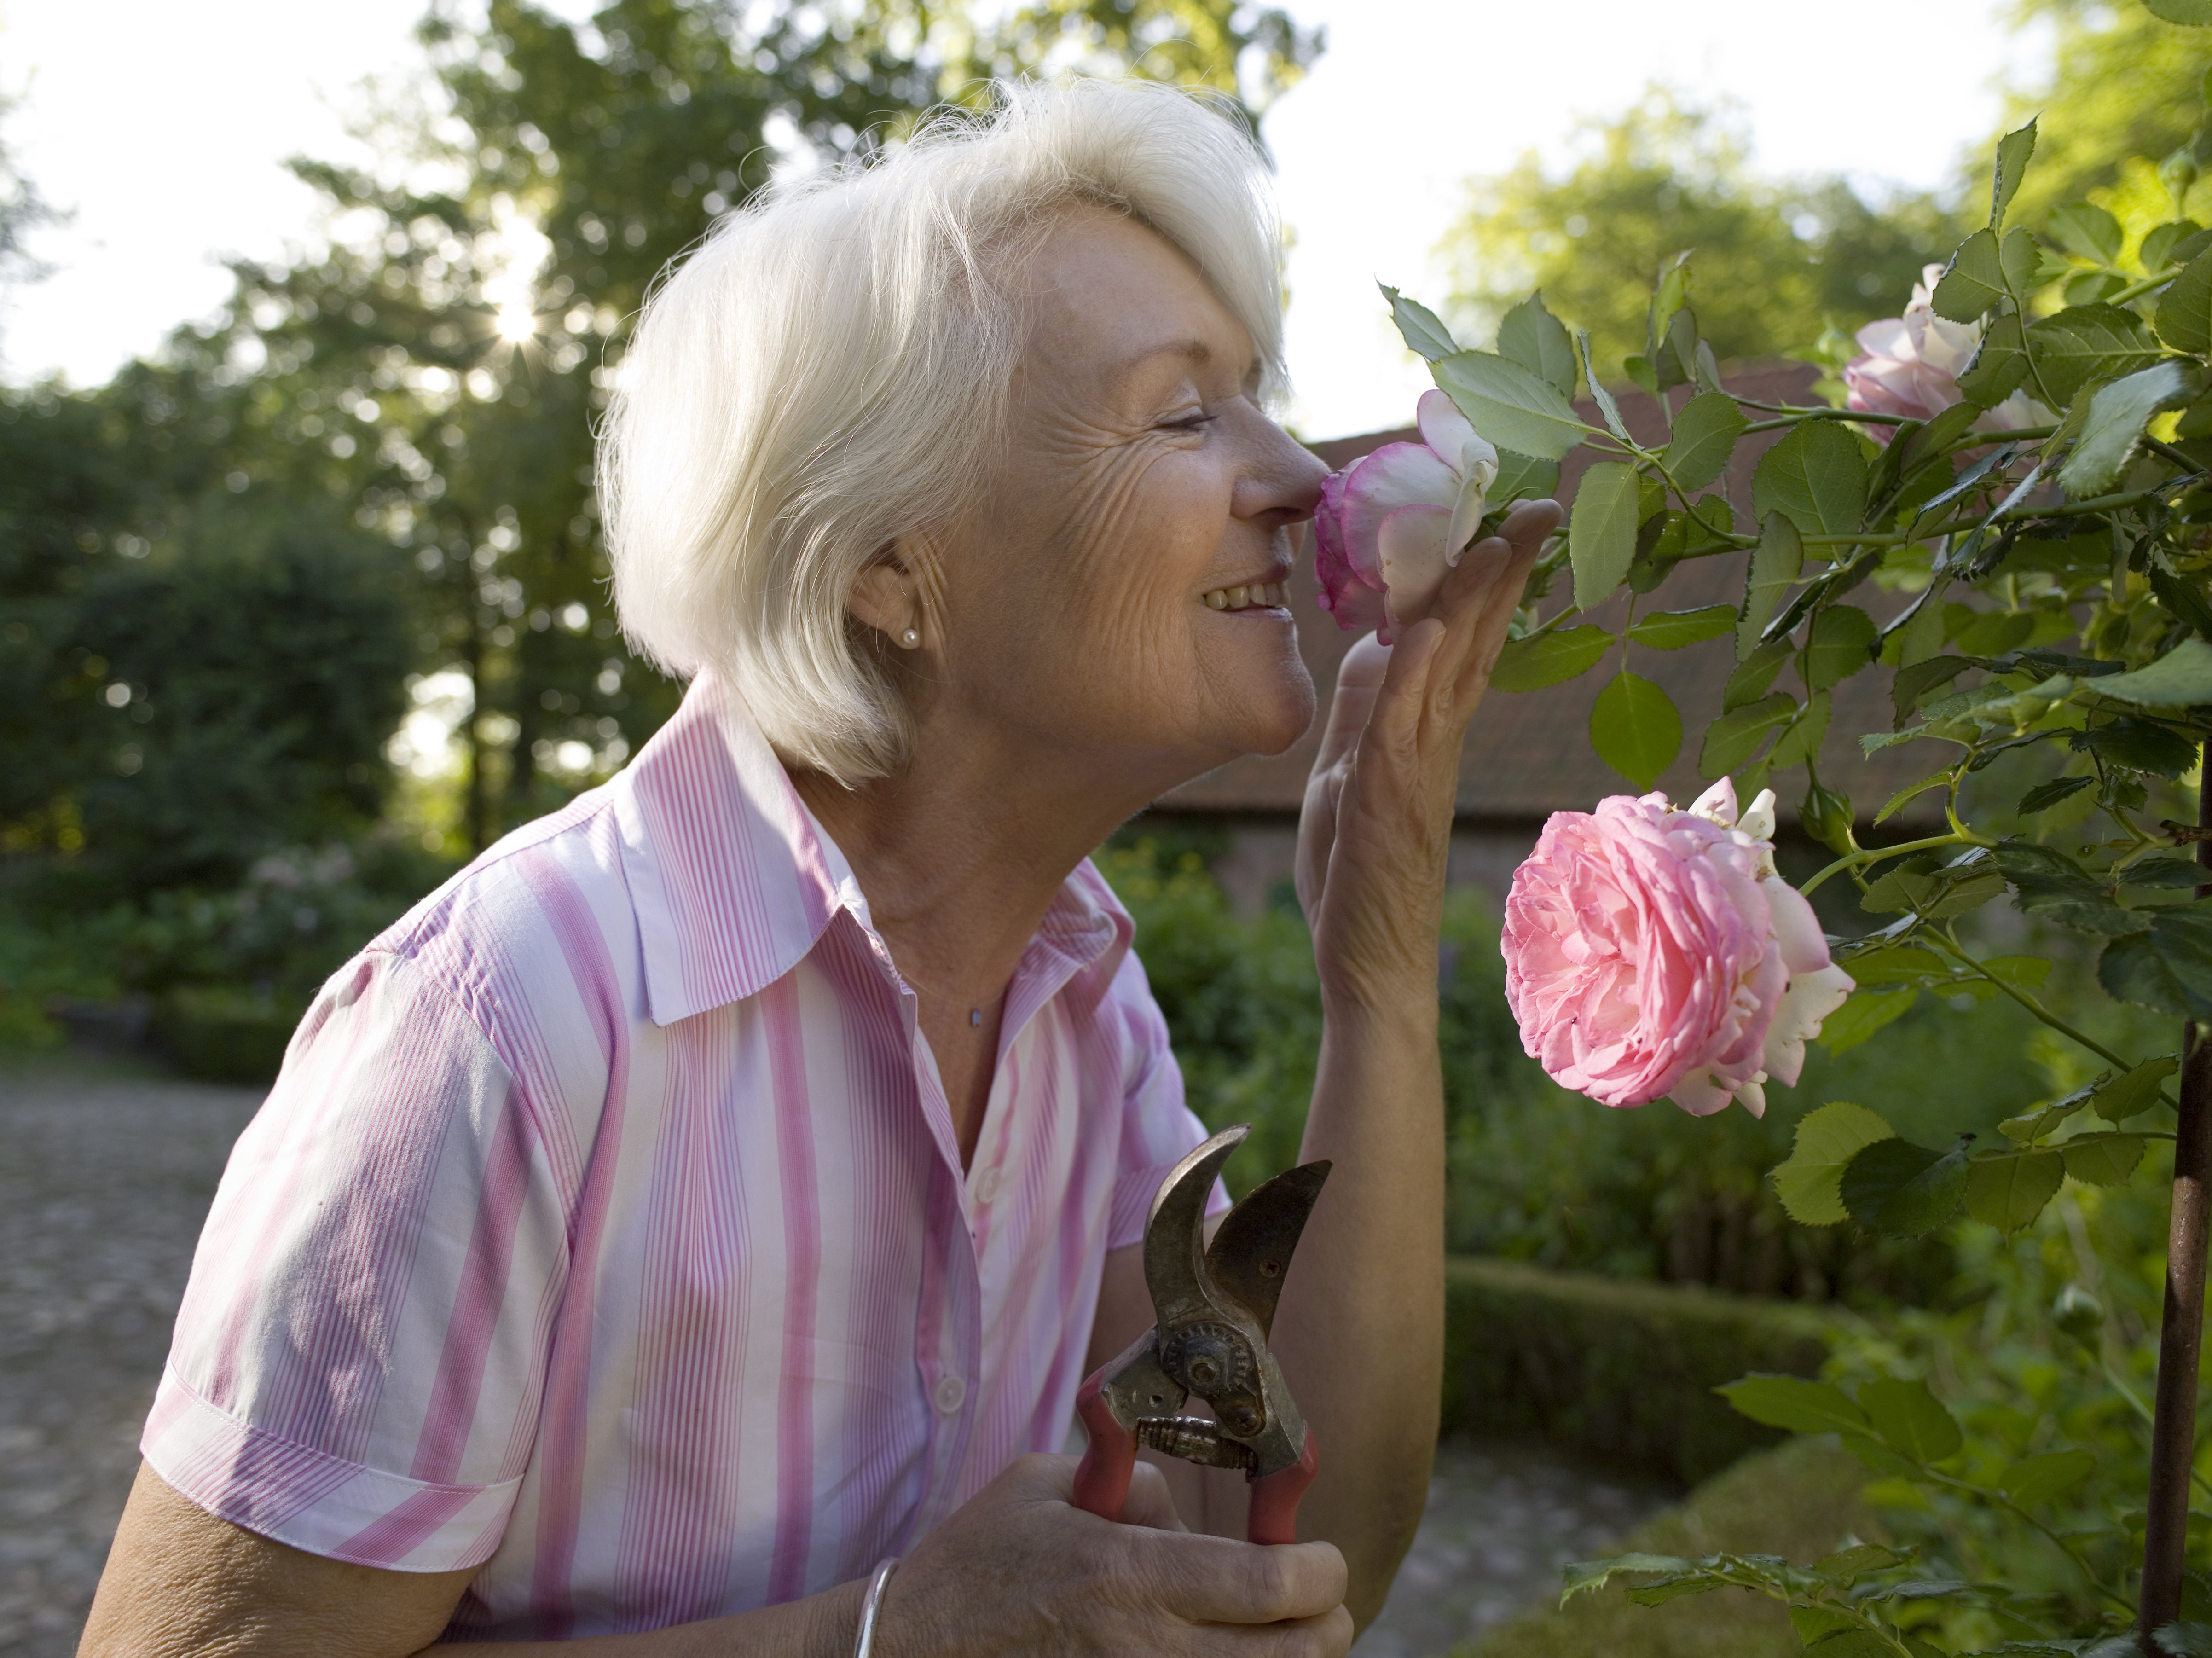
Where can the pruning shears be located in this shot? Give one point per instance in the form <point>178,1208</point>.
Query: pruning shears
<point>1214,1307</point>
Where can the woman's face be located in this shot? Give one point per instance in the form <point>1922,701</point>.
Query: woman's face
<point>1119,598</point>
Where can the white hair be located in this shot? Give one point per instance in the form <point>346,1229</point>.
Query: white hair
<point>829,371</point>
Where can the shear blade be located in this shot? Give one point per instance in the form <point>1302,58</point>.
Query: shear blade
<point>1250,1255</point>
<point>1175,1233</point>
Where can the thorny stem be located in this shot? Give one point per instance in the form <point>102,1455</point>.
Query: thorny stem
<point>1873,854</point>
<point>2092,508</point>
<point>1986,1493</point>
<point>1943,940</point>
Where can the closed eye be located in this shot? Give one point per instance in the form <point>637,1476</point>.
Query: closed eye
<point>1188,423</point>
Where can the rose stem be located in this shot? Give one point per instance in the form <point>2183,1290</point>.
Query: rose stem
<point>2173,1431</point>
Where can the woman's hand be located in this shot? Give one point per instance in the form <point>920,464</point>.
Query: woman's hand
<point>1018,1568</point>
<point>1376,826</point>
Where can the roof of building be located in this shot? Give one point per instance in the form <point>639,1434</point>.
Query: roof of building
<point>1529,755</point>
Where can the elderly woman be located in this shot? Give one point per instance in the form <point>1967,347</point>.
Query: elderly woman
<point>723,1185</point>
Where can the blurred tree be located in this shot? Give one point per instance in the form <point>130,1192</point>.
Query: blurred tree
<point>441,363</point>
<point>1775,259</point>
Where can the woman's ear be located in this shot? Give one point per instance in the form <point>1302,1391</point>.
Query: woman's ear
<point>890,595</point>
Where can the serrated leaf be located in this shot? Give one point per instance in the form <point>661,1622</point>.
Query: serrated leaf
<point>2009,1192</point>
<point>1531,337</point>
<point>2118,413</point>
<point>1999,363</point>
<point>1608,409</point>
<point>2181,678</point>
<point>1916,681</point>
<point>1858,1559</point>
<point>2103,1159</point>
<point>1602,531</point>
<point>2134,1091</point>
<point>2032,1481</point>
<point>1898,964</point>
<point>2088,232</point>
<point>1808,1183</point>
<point>1705,434</point>
<point>1673,1588</point>
<point>2013,152</point>
<point>1510,406</point>
<point>1865,1013</point>
<point>1851,1643</point>
<point>2132,969</point>
<point>2184,310</point>
<point>1775,564</point>
<point>1635,728</point>
<point>1903,1189</point>
<point>1421,329</point>
<point>1801,744</point>
<point>2136,744</point>
<point>2088,343</point>
<point>1586,1574</point>
<point>1909,793</point>
<point>1911,1421</point>
<point>2166,871</point>
<point>1811,1622</point>
<point>2044,796</point>
<point>1815,477</point>
<point>2178,1640</point>
<point>1748,683</point>
<point>2182,599</point>
<point>1530,664</point>
<point>1972,281</point>
<point>2158,242</point>
<point>1732,739</point>
<point>1670,630</point>
<point>1840,644</point>
<point>1794,1404</point>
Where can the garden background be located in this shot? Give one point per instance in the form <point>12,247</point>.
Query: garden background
<point>302,610</point>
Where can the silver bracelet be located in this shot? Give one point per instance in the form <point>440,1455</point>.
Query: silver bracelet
<point>865,1642</point>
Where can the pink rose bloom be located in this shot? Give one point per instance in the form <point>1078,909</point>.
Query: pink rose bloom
<point>1652,952</point>
<point>1393,522</point>
<point>1910,366</point>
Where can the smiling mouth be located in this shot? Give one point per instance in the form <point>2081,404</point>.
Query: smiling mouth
<point>1253,596</point>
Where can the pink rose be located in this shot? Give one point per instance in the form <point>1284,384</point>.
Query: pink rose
<point>1910,366</point>
<point>1393,522</point>
<point>1652,951</point>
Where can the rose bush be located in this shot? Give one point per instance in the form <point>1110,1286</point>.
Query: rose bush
<point>1652,952</point>
<point>1910,366</point>
<point>1391,524</point>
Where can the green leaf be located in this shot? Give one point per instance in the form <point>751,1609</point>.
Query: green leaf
<point>1811,1622</point>
<point>2182,599</point>
<point>1983,271</point>
<point>2013,151</point>
<point>1704,437</point>
<point>2103,1159</point>
<point>1608,409</point>
<point>1510,406</point>
<point>1898,964</point>
<point>1754,675</point>
<point>1775,563</point>
<point>1840,644</point>
<point>1854,1560</point>
<point>1916,681</point>
<point>2135,1091</point>
<point>1911,1421</point>
<point>2168,870</point>
<point>1422,330</point>
<point>1524,478</point>
<point>1733,738</point>
<point>1587,1574</point>
<point>1530,664</point>
<point>2034,1480</point>
<point>1794,1404</point>
<point>2182,679</point>
<point>1865,1013</point>
<point>2086,343</point>
<point>1602,531</point>
<point>2044,796</point>
<point>2118,413</point>
<point>1673,1588</point>
<point>1815,477</point>
<point>2167,966</point>
<point>2008,1191</point>
<point>1909,793</point>
<point>1851,1643</point>
<point>2158,243</point>
<point>2186,308</point>
<point>2136,744</point>
<point>1531,337</point>
<point>1801,744</point>
<point>1810,1182</point>
<point>2195,14</point>
<point>1903,1189</point>
<point>2088,232</point>
<point>1999,363</point>
<point>1669,630</point>
<point>1635,729</point>
<point>2175,1640</point>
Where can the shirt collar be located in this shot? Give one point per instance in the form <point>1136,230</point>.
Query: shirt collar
<point>733,882</point>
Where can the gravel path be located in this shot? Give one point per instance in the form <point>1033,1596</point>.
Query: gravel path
<point>106,1172</point>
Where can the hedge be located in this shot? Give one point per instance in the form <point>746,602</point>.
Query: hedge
<point>1620,1370</point>
<point>223,1035</point>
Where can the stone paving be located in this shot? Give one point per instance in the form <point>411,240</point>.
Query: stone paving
<point>106,1170</point>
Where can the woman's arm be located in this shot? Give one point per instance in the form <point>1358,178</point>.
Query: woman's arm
<point>1017,1569</point>
<point>1359,1333</point>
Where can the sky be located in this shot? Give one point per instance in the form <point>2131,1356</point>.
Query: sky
<point>162,129</point>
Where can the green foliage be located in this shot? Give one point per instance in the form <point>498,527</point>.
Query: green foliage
<point>1776,260</point>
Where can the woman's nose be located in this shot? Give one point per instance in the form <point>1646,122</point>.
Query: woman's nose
<point>1283,484</point>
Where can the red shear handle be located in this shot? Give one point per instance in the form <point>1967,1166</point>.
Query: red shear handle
<point>1274,1516</point>
<point>1102,1479</point>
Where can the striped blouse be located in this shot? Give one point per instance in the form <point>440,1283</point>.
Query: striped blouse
<point>606,1230</point>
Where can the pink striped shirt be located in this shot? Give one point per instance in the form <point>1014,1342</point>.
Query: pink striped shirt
<point>606,1230</point>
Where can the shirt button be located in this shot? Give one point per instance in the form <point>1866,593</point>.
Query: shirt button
<point>951,1393</point>
<point>986,1186</point>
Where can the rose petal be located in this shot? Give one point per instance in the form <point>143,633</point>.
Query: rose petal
<point>1411,545</point>
<point>1443,429</point>
<point>1396,474</point>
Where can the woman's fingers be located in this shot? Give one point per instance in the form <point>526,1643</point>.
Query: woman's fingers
<point>1218,1580</point>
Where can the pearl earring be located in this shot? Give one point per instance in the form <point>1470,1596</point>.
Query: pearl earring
<point>909,639</point>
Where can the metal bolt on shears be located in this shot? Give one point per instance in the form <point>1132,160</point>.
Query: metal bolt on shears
<point>1214,1306</point>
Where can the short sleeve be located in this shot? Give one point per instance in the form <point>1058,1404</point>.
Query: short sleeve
<point>1158,1129</point>
<point>359,1358</point>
